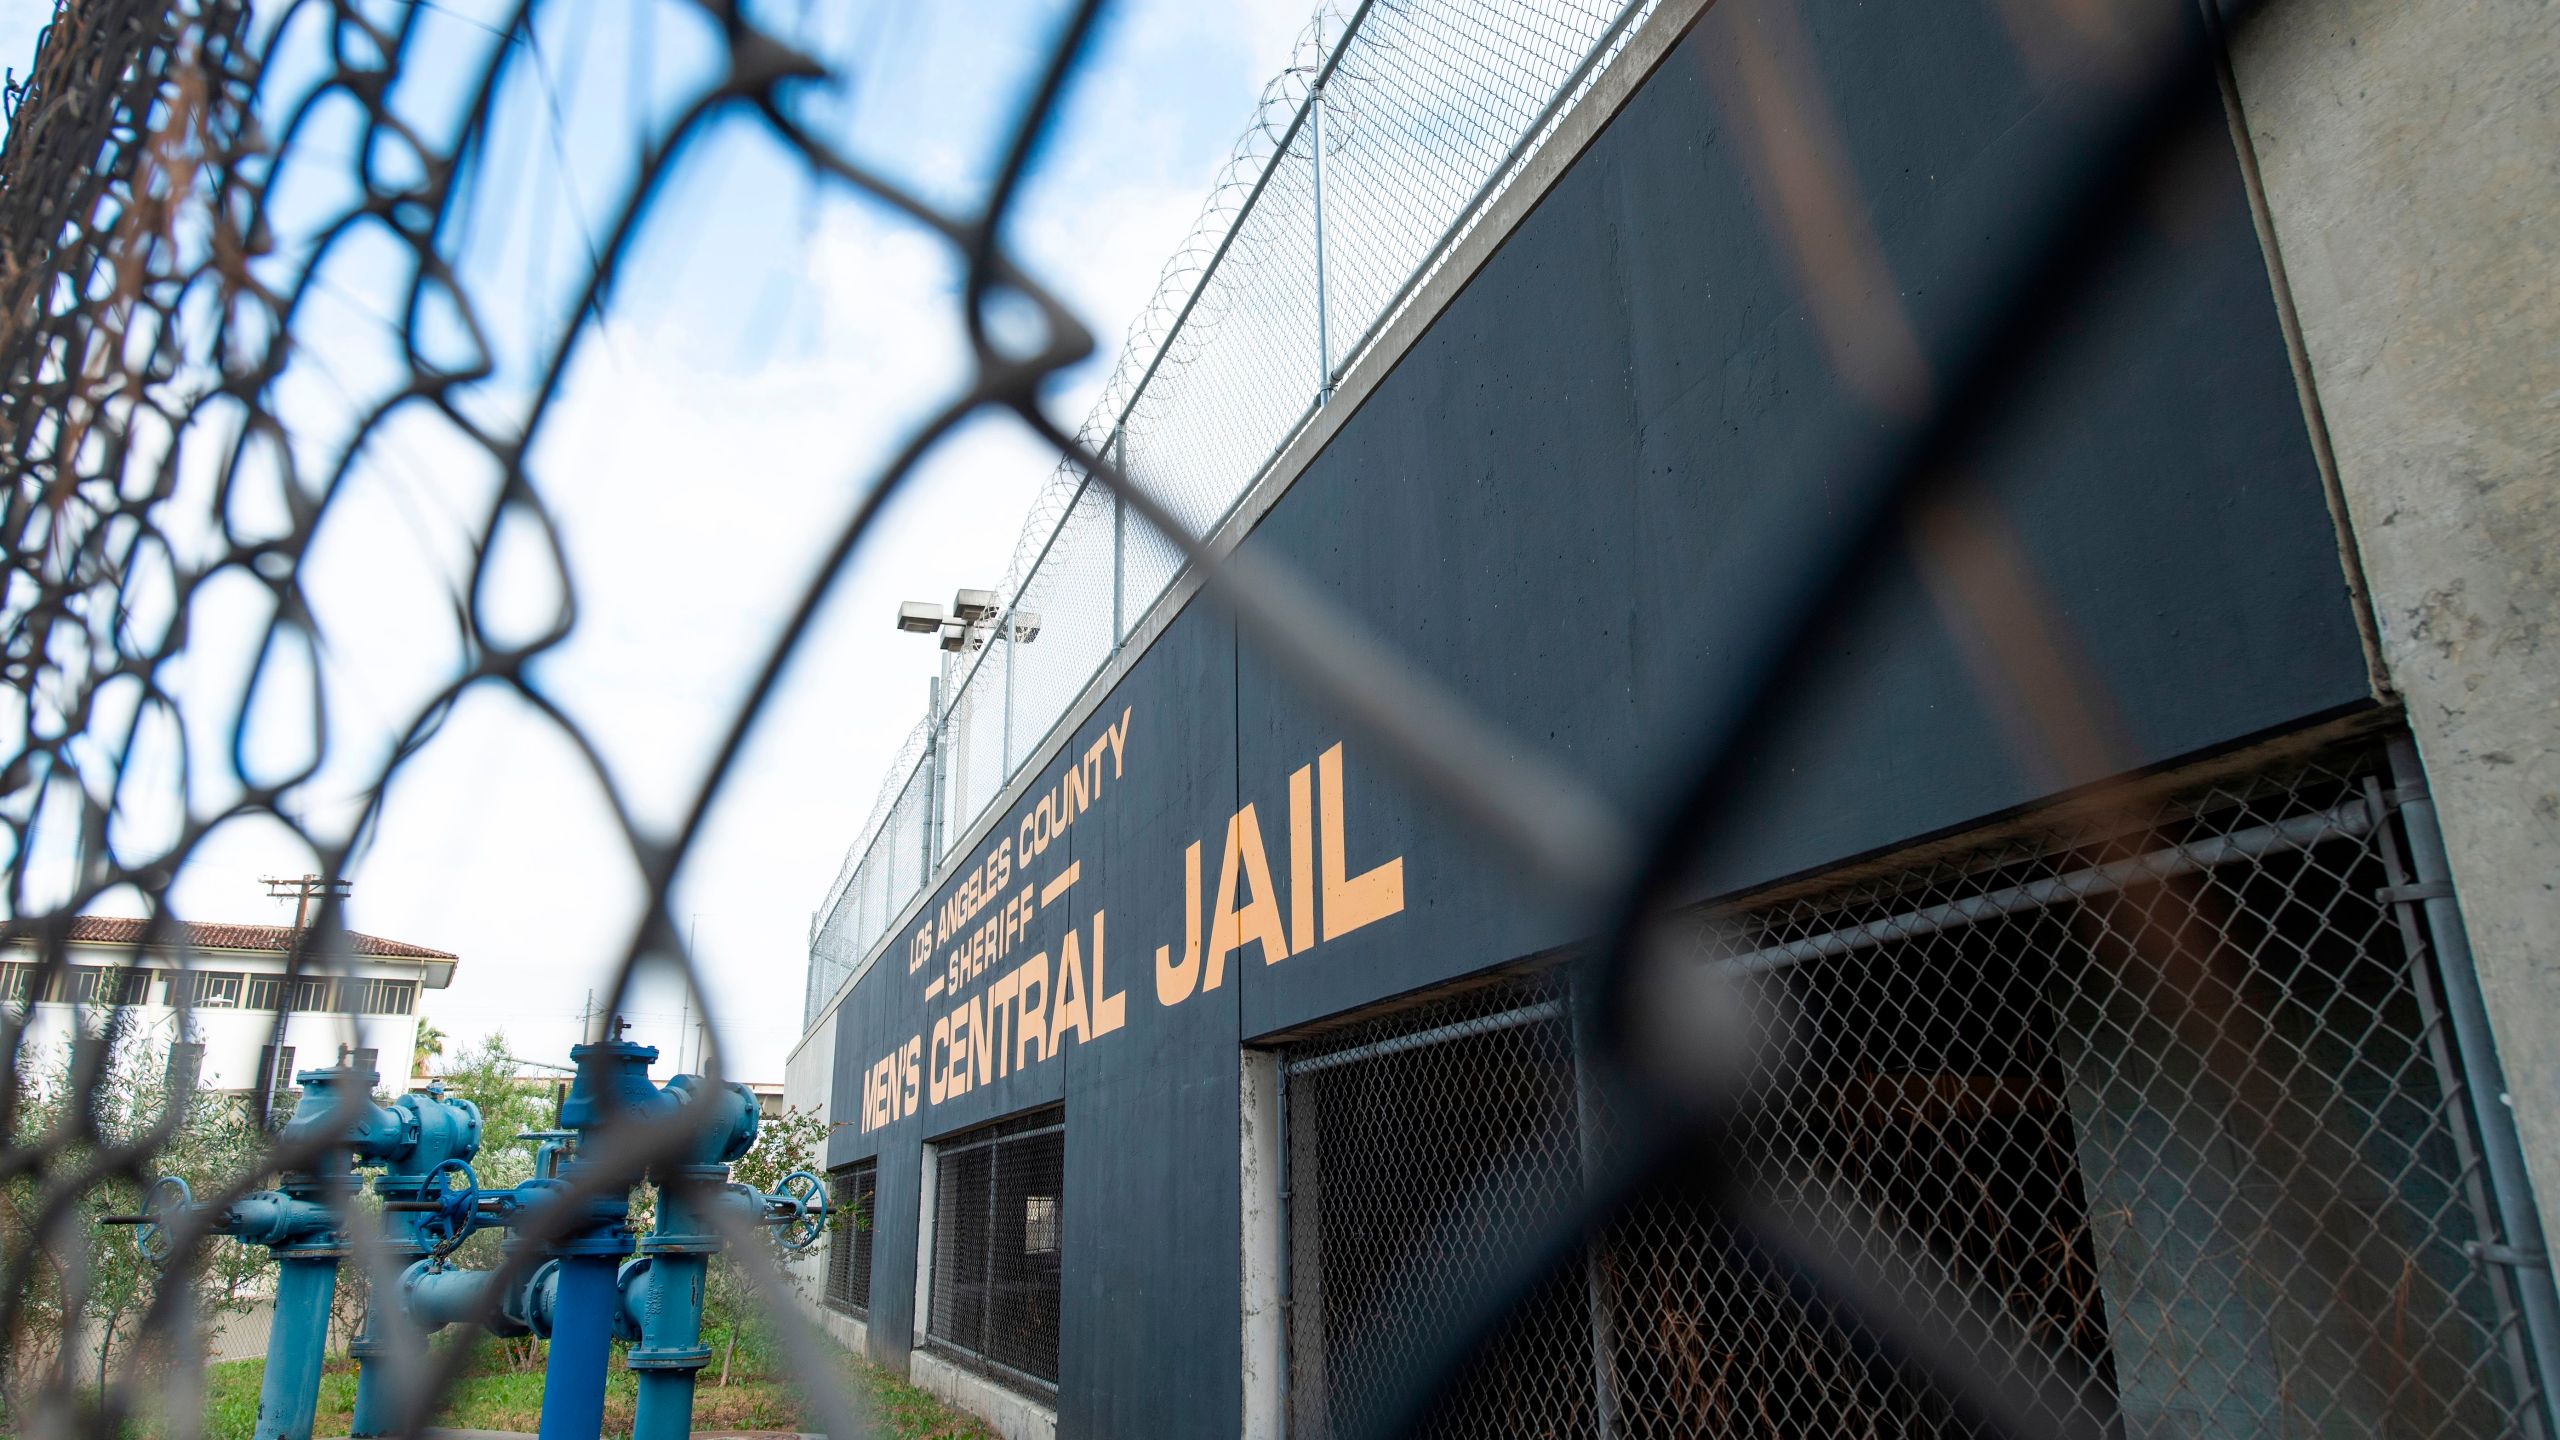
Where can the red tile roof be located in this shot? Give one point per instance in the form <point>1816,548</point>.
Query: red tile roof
<point>214,935</point>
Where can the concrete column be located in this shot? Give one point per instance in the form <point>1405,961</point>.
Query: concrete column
<point>2406,154</point>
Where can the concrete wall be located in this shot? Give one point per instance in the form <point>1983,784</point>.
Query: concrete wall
<point>808,1077</point>
<point>2410,157</point>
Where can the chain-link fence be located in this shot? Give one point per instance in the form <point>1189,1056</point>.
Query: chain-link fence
<point>992,1296</point>
<point>2162,1117</point>
<point>2251,1204</point>
<point>1373,156</point>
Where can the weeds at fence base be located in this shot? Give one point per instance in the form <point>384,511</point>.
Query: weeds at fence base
<point>494,1395</point>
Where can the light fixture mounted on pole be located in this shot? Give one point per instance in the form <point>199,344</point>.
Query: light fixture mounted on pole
<point>971,623</point>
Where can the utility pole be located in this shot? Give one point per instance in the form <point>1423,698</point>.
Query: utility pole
<point>302,890</point>
<point>684,1022</point>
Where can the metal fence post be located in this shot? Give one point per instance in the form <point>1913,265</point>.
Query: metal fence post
<point>2521,1248</point>
<point>1119,541</point>
<point>1596,1289</point>
<point>932,775</point>
<point>1004,733</point>
<point>1324,350</point>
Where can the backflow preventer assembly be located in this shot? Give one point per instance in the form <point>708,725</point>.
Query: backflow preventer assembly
<point>593,1282</point>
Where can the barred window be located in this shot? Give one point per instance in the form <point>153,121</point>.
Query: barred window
<point>857,1189</point>
<point>378,996</point>
<point>996,1224</point>
<point>310,993</point>
<point>107,985</point>
<point>275,1081</point>
<point>216,989</point>
<point>81,984</point>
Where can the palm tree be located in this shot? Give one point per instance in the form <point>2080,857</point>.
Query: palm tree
<point>430,1046</point>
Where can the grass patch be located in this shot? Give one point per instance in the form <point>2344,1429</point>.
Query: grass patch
<point>496,1393</point>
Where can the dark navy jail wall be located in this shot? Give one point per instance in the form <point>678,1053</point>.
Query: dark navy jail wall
<point>1569,503</point>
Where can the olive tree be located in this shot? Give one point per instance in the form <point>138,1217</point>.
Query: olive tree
<point>88,1289</point>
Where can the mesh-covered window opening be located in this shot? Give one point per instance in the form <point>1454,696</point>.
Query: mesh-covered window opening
<point>996,1225</point>
<point>1390,1123</point>
<point>857,1190</point>
<point>2178,1099</point>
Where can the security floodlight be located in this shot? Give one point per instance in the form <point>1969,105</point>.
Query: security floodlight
<point>918,617</point>
<point>1026,626</point>
<point>973,606</point>
<point>955,635</point>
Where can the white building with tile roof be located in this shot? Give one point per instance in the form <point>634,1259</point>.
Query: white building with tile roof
<point>242,1024</point>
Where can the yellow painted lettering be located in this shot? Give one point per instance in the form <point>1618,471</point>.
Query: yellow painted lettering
<point>1257,921</point>
<point>1006,1036</point>
<point>1118,735</point>
<point>1031,1010</point>
<point>937,1076</point>
<point>1110,1008</point>
<point>1070,1011</point>
<point>1302,859</point>
<point>1174,983</point>
<point>1350,901</point>
<point>913,1066</point>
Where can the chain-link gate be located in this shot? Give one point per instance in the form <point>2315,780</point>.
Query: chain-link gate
<point>994,1288</point>
<point>2176,1098</point>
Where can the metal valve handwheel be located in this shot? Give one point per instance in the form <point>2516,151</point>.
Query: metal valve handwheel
<point>451,1224</point>
<point>807,1194</point>
<point>454,1203</point>
<point>163,1204</point>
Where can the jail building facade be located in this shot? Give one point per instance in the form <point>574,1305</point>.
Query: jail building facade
<point>2198,1031</point>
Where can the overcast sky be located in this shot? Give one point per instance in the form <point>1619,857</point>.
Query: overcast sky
<point>769,343</point>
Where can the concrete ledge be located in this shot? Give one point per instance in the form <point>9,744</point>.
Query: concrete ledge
<point>1014,1415</point>
<point>846,1330</point>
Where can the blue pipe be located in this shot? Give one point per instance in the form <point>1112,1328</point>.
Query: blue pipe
<point>662,1314</point>
<point>612,1085</point>
<point>431,1130</point>
<point>581,1344</point>
<point>437,1297</point>
<point>662,1290</point>
<point>299,1223</point>
<point>290,1393</point>
<point>583,1296</point>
